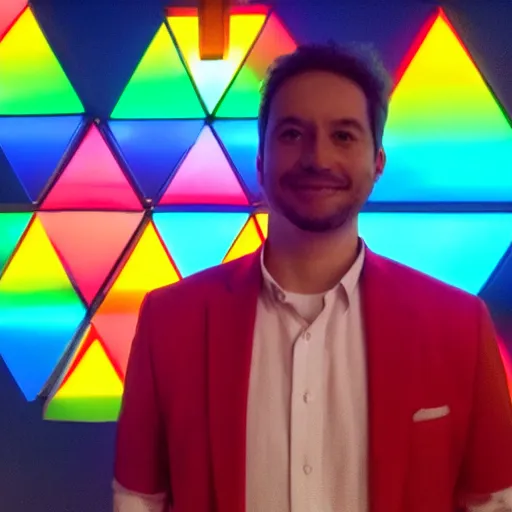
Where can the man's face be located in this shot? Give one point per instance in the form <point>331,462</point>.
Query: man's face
<point>319,165</point>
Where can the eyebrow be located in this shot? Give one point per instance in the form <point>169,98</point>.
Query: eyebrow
<point>349,122</point>
<point>346,122</point>
<point>288,120</point>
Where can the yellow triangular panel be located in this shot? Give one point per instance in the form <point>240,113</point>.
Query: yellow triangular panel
<point>262,219</point>
<point>248,241</point>
<point>212,77</point>
<point>94,376</point>
<point>91,393</point>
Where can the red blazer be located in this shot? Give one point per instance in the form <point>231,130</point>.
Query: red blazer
<point>182,428</point>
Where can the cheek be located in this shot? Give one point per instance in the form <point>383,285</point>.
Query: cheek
<point>274,167</point>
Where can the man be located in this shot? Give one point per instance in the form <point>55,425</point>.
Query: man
<point>315,375</point>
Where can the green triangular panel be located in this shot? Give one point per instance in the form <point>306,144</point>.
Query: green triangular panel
<point>12,226</point>
<point>32,80</point>
<point>160,87</point>
<point>243,96</point>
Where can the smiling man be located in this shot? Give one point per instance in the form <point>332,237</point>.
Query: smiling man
<point>315,375</point>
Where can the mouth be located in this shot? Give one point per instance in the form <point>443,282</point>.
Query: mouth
<point>317,187</point>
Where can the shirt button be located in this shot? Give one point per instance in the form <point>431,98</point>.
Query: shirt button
<point>307,335</point>
<point>307,397</point>
<point>307,469</point>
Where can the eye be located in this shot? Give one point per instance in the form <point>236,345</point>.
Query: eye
<point>343,136</point>
<point>290,134</point>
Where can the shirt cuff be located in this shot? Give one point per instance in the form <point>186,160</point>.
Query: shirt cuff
<point>129,501</point>
<point>500,501</point>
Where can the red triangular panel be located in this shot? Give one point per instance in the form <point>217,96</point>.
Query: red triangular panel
<point>9,10</point>
<point>90,243</point>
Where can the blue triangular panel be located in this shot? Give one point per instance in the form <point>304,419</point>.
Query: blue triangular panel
<point>461,249</point>
<point>32,351</point>
<point>437,173</point>
<point>153,148</point>
<point>11,190</point>
<point>198,240</point>
<point>497,291</point>
<point>35,145</point>
<point>240,138</point>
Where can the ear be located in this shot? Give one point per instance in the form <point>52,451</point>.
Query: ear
<point>380,163</point>
<point>259,168</point>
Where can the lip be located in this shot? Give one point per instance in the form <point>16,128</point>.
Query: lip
<point>316,192</point>
<point>317,185</point>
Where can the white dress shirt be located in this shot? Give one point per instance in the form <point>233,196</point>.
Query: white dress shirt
<point>307,411</point>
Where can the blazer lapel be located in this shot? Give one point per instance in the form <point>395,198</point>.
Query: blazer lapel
<point>231,319</point>
<point>389,360</point>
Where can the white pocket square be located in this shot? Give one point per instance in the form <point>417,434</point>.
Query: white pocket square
<point>431,414</point>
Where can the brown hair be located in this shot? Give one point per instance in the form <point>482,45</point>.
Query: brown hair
<point>360,63</point>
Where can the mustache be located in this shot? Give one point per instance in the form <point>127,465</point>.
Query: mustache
<point>308,175</point>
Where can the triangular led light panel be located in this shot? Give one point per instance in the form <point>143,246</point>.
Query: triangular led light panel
<point>9,11</point>
<point>262,220</point>
<point>153,148</point>
<point>39,311</point>
<point>34,147</point>
<point>461,249</point>
<point>496,294</point>
<point>12,191</point>
<point>92,180</point>
<point>447,138</point>
<point>160,87</point>
<point>205,177</point>
<point>248,241</point>
<point>507,364</point>
<point>90,243</point>
<point>146,268</point>
<point>33,82</point>
<point>92,389</point>
<point>212,77</point>
<point>198,240</point>
<point>12,226</point>
<point>243,96</point>
<point>240,138</point>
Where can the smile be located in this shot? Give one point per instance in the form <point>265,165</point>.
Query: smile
<point>317,187</point>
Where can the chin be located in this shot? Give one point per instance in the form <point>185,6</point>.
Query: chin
<point>318,224</point>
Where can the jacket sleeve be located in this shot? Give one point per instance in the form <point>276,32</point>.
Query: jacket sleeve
<point>141,452</point>
<point>487,466</point>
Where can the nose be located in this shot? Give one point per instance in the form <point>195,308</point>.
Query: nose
<point>317,152</point>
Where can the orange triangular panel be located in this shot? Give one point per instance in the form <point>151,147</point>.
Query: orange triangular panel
<point>147,267</point>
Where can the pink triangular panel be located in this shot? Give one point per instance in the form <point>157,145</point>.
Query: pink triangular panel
<point>92,180</point>
<point>90,243</point>
<point>205,177</point>
<point>9,10</point>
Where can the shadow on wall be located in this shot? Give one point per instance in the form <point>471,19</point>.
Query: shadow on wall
<point>47,466</point>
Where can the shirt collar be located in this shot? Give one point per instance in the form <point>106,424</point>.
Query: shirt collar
<point>348,282</point>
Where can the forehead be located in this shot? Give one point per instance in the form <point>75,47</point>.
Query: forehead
<point>319,95</point>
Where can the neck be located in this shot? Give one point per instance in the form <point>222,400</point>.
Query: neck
<point>304,262</point>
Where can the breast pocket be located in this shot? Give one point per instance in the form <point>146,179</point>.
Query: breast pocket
<point>431,476</point>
